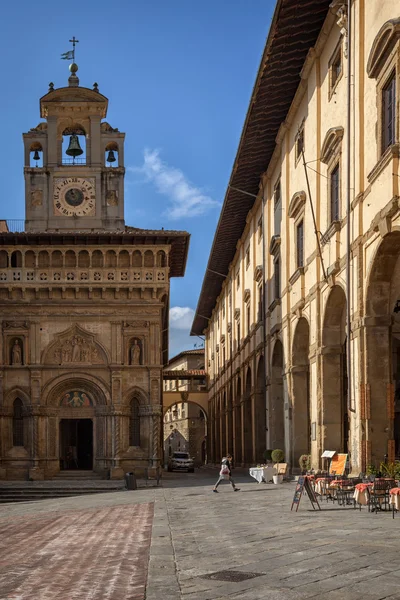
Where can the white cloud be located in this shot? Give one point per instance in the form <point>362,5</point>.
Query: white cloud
<point>180,322</point>
<point>186,200</point>
<point>181,317</point>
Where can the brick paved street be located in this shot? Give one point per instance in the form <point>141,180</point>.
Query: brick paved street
<point>95,546</point>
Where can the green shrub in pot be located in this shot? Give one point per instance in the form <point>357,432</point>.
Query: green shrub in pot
<point>277,456</point>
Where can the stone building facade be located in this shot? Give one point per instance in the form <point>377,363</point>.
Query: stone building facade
<point>300,302</point>
<point>83,304</point>
<point>185,421</point>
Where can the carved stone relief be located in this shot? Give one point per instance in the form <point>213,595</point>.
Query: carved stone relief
<point>136,324</point>
<point>15,325</point>
<point>112,197</point>
<point>76,350</point>
<point>75,347</point>
<point>36,198</point>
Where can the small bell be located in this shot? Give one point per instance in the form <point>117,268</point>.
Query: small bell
<point>36,155</point>
<point>111,156</point>
<point>74,148</point>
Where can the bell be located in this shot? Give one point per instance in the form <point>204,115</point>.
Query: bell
<point>74,148</point>
<point>36,155</point>
<point>111,157</point>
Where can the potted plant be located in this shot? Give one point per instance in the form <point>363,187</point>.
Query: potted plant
<point>390,470</point>
<point>277,456</point>
<point>305,463</point>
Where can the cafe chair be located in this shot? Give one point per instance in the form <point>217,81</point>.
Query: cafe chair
<point>379,495</point>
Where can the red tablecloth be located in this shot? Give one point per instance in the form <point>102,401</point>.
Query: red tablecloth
<point>361,487</point>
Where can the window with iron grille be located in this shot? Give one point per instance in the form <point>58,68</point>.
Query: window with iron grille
<point>248,315</point>
<point>18,423</point>
<point>277,195</point>
<point>260,303</point>
<point>299,143</point>
<point>300,245</point>
<point>260,228</point>
<point>248,257</point>
<point>335,194</point>
<point>277,277</point>
<point>335,67</point>
<point>389,112</point>
<point>134,424</point>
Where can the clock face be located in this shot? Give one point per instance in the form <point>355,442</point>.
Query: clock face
<point>74,196</point>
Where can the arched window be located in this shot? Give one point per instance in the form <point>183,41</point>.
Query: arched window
<point>134,424</point>
<point>18,423</point>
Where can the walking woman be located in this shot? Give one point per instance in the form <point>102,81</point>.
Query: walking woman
<point>225,473</point>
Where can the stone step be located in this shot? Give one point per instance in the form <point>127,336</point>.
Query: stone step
<point>28,492</point>
<point>77,474</point>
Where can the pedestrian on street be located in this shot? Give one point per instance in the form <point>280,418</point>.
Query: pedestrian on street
<point>226,473</point>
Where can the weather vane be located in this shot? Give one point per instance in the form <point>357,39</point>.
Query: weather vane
<point>70,55</point>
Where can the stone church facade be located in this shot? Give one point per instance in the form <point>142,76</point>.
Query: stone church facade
<point>83,305</point>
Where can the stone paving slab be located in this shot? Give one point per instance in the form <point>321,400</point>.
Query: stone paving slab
<point>333,554</point>
<point>93,554</point>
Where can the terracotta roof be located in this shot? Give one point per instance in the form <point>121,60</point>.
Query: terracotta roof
<point>194,351</point>
<point>182,374</point>
<point>179,241</point>
<point>294,30</point>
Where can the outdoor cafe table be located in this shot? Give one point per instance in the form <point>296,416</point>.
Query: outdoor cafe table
<point>320,485</point>
<point>395,498</point>
<point>361,493</point>
<point>262,473</point>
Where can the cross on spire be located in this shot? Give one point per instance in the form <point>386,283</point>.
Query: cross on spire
<point>73,42</point>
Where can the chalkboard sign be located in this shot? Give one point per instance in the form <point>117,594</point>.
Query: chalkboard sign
<point>304,485</point>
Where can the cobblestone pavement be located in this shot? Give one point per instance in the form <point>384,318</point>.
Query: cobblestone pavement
<point>269,552</point>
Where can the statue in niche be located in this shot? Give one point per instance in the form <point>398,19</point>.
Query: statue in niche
<point>135,357</point>
<point>16,353</point>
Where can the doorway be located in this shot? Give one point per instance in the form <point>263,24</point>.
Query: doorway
<point>76,444</point>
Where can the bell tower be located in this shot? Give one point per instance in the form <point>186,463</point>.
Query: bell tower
<point>74,163</point>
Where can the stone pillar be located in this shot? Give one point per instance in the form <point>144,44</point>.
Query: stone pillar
<point>116,471</point>
<point>153,414</point>
<point>301,428</point>
<point>379,414</point>
<point>4,417</point>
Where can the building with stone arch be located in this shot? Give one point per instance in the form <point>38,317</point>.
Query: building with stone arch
<point>83,304</point>
<point>303,279</point>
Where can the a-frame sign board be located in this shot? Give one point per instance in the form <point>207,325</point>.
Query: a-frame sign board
<point>304,485</point>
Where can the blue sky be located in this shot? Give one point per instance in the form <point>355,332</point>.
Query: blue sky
<point>178,75</point>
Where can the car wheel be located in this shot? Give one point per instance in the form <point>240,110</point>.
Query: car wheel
<point>190,470</point>
<point>169,470</point>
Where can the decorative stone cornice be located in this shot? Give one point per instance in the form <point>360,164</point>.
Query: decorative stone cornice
<point>274,244</point>
<point>296,204</point>
<point>147,410</point>
<point>332,140</point>
<point>385,40</point>
<point>258,272</point>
